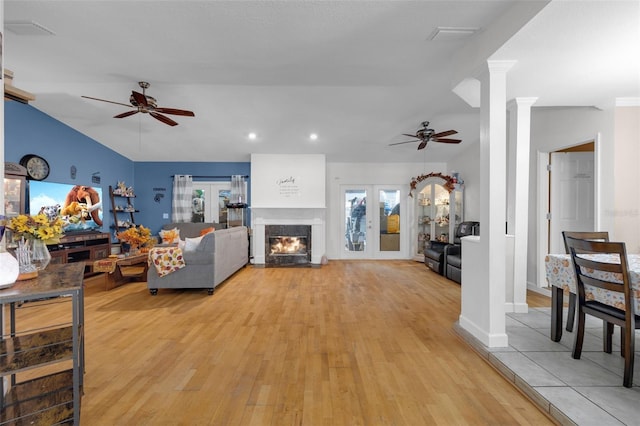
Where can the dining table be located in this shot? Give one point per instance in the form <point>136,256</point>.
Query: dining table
<point>561,277</point>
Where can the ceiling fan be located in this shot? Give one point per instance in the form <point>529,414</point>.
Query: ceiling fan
<point>147,104</point>
<point>425,135</point>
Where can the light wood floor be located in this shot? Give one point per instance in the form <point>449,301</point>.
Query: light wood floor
<point>351,343</point>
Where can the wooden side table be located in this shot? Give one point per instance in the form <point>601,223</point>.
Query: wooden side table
<point>119,271</point>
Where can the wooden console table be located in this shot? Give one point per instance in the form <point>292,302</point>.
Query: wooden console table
<point>119,271</point>
<point>49,398</point>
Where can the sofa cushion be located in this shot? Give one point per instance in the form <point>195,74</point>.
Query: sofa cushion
<point>205,231</point>
<point>190,229</point>
<point>170,236</point>
<point>191,244</point>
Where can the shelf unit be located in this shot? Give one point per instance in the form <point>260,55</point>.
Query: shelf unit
<point>47,396</point>
<point>119,210</point>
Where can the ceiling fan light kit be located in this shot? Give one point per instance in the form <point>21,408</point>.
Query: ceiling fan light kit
<point>426,135</point>
<point>141,102</point>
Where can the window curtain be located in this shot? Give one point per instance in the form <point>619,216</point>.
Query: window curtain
<point>181,201</point>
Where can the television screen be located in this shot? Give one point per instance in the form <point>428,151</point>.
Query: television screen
<point>80,206</point>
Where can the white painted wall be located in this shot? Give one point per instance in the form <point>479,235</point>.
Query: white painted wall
<point>557,128</point>
<point>468,165</point>
<point>627,176</point>
<point>366,174</point>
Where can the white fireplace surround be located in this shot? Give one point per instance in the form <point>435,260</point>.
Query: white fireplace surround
<point>260,217</point>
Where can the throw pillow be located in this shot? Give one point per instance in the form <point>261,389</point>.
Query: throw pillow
<point>191,244</point>
<point>170,236</point>
<point>205,231</point>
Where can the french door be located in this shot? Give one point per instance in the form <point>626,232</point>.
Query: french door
<point>372,222</point>
<point>209,202</point>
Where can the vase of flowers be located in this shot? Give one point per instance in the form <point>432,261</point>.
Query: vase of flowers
<point>135,237</point>
<point>9,268</point>
<point>33,233</point>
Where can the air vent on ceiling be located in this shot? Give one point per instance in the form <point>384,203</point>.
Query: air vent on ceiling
<point>451,33</point>
<point>27,28</point>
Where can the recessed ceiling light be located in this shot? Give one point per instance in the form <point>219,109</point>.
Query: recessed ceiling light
<point>313,136</point>
<point>252,136</point>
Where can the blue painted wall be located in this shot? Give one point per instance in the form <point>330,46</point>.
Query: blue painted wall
<point>154,178</point>
<point>30,131</point>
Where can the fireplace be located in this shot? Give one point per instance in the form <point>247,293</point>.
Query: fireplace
<point>287,245</point>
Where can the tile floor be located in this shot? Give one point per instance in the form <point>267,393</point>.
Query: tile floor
<point>587,391</point>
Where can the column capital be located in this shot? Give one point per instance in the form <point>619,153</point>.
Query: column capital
<point>501,66</point>
<point>521,102</point>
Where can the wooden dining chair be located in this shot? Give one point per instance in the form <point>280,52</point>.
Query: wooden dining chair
<point>613,277</point>
<point>592,236</point>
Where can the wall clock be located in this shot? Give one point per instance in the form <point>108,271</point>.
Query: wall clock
<point>37,167</point>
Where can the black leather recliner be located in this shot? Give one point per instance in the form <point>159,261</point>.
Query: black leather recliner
<point>434,256</point>
<point>453,252</point>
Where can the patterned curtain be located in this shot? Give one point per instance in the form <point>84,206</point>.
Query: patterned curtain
<point>181,201</point>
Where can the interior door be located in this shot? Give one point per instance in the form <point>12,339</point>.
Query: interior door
<point>372,223</point>
<point>572,196</point>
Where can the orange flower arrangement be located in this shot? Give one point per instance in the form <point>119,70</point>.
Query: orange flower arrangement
<point>136,236</point>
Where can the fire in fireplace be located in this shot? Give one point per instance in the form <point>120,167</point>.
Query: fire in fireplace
<point>287,245</point>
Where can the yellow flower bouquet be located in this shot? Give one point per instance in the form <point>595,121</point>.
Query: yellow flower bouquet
<point>136,236</point>
<point>39,227</point>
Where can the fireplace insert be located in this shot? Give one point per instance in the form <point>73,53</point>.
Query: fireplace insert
<point>287,245</point>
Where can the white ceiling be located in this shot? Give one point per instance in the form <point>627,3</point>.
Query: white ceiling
<point>358,73</point>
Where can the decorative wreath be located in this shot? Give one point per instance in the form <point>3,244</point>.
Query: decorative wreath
<point>449,183</point>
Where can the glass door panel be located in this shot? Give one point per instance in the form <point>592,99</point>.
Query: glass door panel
<point>356,224</point>
<point>197,205</point>
<point>389,230</point>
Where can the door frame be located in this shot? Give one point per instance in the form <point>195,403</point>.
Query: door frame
<point>543,201</point>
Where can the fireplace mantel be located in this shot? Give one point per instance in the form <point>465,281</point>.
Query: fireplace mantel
<point>288,216</point>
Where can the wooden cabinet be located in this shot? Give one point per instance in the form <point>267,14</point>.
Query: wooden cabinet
<point>15,184</point>
<point>83,247</point>
<point>51,357</point>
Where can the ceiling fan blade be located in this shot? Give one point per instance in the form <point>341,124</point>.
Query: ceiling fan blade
<point>422,145</point>
<point>126,114</point>
<point>165,120</point>
<point>104,100</point>
<point>447,140</point>
<point>445,133</point>
<point>411,136</point>
<point>175,111</point>
<point>400,143</point>
<point>140,98</point>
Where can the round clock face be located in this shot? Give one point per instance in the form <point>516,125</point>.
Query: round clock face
<point>37,167</point>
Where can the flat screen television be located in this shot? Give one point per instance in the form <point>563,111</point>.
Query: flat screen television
<point>80,206</point>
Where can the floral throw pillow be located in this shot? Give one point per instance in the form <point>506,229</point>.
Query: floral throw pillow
<point>170,236</point>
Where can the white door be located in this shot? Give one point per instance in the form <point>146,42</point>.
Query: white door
<point>372,222</point>
<point>572,196</point>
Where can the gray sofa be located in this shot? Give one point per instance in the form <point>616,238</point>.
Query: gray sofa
<point>217,257</point>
